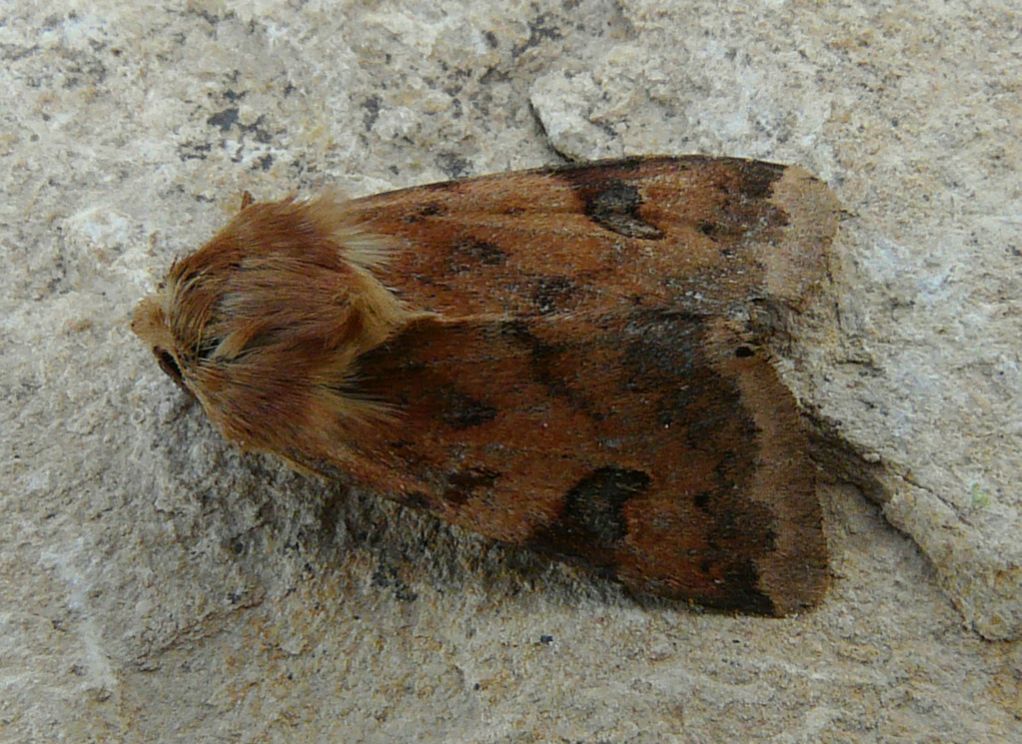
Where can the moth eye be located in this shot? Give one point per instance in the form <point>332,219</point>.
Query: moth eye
<point>169,365</point>
<point>743,351</point>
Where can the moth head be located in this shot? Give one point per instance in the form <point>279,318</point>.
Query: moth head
<point>264,323</point>
<point>149,323</point>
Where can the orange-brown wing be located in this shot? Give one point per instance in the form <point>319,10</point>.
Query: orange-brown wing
<point>657,448</point>
<point>595,387</point>
<point>692,234</point>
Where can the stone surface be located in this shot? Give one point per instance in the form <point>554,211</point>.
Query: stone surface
<point>157,585</point>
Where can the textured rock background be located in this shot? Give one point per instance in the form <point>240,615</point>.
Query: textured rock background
<point>156,585</point>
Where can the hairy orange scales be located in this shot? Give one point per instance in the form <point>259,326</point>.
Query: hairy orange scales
<point>569,359</point>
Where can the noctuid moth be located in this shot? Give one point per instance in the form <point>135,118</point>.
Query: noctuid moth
<point>570,359</point>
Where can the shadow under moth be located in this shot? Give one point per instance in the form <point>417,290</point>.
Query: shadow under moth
<point>570,359</point>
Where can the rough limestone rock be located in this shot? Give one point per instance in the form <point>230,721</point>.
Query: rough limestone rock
<point>155,584</point>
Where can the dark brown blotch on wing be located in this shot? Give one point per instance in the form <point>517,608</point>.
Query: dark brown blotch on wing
<point>756,178</point>
<point>461,411</point>
<point>614,205</point>
<point>744,207</point>
<point>469,254</point>
<point>466,484</point>
<point>553,294</point>
<point>425,211</point>
<point>592,523</point>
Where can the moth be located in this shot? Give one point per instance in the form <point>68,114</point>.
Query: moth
<point>572,359</point>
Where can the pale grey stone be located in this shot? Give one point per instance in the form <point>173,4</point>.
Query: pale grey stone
<point>156,585</point>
